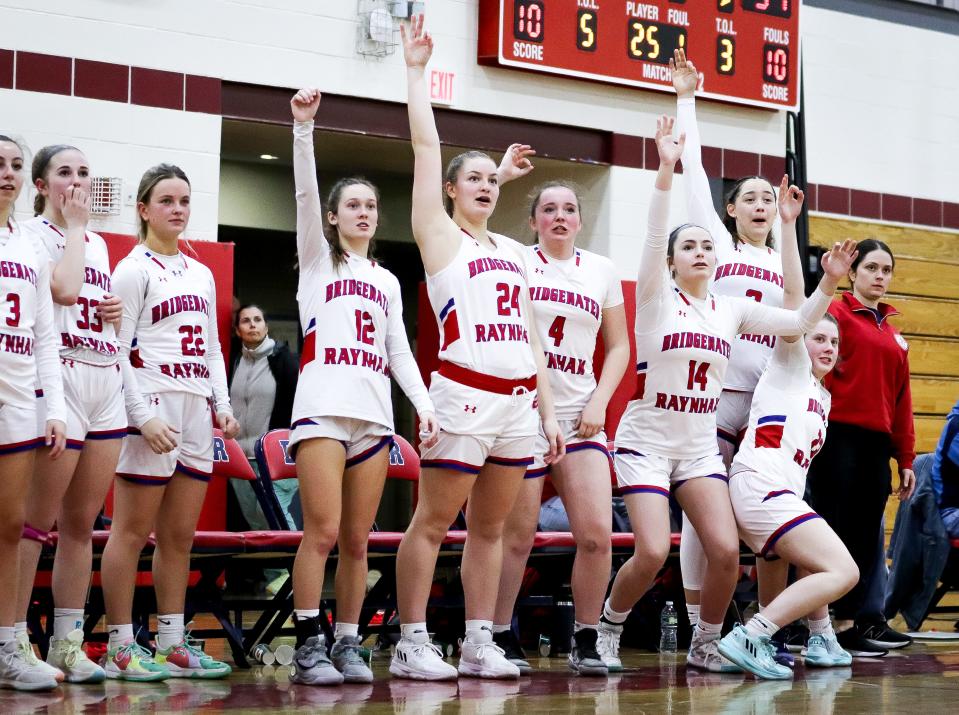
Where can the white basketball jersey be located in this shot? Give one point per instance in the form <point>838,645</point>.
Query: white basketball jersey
<point>568,299</point>
<point>787,421</point>
<point>747,271</point>
<point>345,315</point>
<point>83,335</point>
<point>479,301</point>
<point>680,367</point>
<point>27,340</point>
<point>170,303</point>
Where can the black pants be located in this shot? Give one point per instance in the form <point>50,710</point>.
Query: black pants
<point>848,485</point>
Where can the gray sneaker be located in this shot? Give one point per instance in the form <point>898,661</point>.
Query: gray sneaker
<point>583,656</point>
<point>348,659</point>
<point>312,665</point>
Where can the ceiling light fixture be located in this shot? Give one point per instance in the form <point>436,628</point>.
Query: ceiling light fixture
<point>268,157</point>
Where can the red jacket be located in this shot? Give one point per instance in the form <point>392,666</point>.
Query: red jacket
<point>870,384</point>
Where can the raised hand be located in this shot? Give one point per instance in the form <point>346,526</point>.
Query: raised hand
<point>417,43</point>
<point>685,75</point>
<point>837,261</point>
<point>305,103</point>
<point>75,207</point>
<point>515,163</point>
<point>669,150</point>
<point>790,201</point>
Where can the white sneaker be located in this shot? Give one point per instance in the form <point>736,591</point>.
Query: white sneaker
<point>607,644</point>
<point>67,655</point>
<point>706,656</point>
<point>420,661</point>
<point>17,674</point>
<point>30,658</point>
<point>486,660</point>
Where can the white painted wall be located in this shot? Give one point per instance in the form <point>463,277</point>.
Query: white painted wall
<point>882,101</point>
<point>121,140</point>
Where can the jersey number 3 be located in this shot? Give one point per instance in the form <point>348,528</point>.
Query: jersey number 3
<point>14,319</point>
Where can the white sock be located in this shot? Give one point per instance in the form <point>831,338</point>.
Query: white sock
<point>7,634</point>
<point>707,631</point>
<point>759,625</point>
<point>820,627</point>
<point>577,626</point>
<point>18,628</point>
<point>120,635</point>
<point>692,610</point>
<point>612,616</point>
<point>415,632</point>
<point>479,631</point>
<point>65,621</point>
<point>345,629</point>
<point>302,613</point>
<point>501,628</point>
<point>170,630</point>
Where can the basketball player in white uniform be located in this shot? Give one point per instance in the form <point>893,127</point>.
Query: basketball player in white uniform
<point>174,377</point>
<point>70,490</point>
<point>492,375</point>
<point>787,426</point>
<point>28,351</point>
<point>666,439</point>
<point>575,294</point>
<point>351,314</point>
<point>750,266</point>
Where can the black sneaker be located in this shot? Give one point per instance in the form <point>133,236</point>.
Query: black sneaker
<point>791,638</point>
<point>583,656</point>
<point>853,642</point>
<point>882,636</point>
<point>512,650</point>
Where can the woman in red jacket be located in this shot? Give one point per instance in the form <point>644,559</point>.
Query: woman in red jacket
<point>871,422</point>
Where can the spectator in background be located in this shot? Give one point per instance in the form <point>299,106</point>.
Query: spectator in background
<point>262,385</point>
<point>945,473</point>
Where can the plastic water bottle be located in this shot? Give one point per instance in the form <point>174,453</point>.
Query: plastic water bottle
<point>667,633</point>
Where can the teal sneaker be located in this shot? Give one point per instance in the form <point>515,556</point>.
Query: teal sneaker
<point>753,654</point>
<point>187,660</point>
<point>825,652</point>
<point>132,661</point>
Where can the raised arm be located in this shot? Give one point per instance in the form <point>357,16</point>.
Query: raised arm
<point>762,319</point>
<point>66,276</point>
<point>699,200</point>
<point>311,245</point>
<point>652,261</point>
<point>790,206</point>
<point>435,233</point>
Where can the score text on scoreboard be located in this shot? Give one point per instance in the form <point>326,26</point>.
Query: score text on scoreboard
<point>747,51</point>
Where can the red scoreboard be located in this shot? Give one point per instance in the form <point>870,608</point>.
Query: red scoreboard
<point>747,51</point>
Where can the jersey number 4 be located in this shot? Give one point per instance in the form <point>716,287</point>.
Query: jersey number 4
<point>556,330</point>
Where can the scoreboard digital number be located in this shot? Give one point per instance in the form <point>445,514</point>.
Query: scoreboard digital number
<point>747,51</point>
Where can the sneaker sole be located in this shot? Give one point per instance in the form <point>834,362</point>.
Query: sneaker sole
<point>89,680</point>
<point>137,678</point>
<point>595,671</point>
<point>886,645</point>
<point>399,670</point>
<point>477,671</point>
<point>825,663</point>
<point>524,667</point>
<point>615,667</point>
<point>733,669</point>
<point>29,687</point>
<point>191,674</point>
<point>326,680</point>
<point>866,654</point>
<point>733,653</point>
<point>358,677</point>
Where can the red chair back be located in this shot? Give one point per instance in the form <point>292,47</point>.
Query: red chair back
<point>404,461</point>
<point>272,454</point>
<point>229,461</point>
